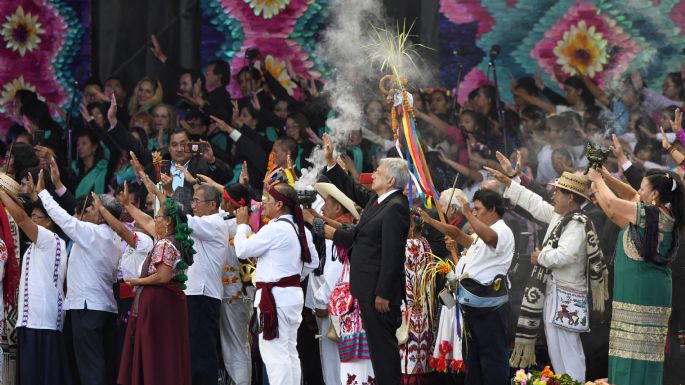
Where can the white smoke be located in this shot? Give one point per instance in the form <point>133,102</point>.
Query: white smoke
<point>354,76</point>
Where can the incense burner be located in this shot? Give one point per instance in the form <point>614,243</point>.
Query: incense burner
<point>596,156</point>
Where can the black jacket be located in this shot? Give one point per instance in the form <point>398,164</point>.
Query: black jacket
<point>377,243</point>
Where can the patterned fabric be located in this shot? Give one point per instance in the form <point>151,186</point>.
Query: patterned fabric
<point>352,343</point>
<point>420,307</point>
<point>166,253</point>
<point>534,293</point>
<point>641,307</point>
<point>638,332</point>
<point>447,354</point>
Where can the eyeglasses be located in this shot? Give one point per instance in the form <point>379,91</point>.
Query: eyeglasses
<point>160,216</point>
<point>197,201</point>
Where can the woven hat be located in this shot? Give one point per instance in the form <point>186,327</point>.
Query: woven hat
<point>11,187</point>
<point>326,189</point>
<point>574,183</point>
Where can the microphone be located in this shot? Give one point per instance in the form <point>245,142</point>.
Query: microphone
<point>494,51</point>
<point>229,217</point>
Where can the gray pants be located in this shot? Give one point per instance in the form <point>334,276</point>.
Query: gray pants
<point>235,338</point>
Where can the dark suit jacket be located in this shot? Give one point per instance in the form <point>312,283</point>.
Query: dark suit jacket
<point>377,244</point>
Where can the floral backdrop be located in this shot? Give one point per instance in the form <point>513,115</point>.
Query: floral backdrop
<point>46,43</point>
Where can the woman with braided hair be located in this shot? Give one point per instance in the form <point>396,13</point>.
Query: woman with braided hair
<point>156,347</point>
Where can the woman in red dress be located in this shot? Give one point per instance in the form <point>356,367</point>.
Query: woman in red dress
<point>156,346</point>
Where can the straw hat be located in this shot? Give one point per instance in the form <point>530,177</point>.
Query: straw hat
<point>574,183</point>
<point>326,189</point>
<point>11,187</point>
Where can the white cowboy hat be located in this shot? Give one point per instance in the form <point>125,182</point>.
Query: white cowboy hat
<point>326,189</point>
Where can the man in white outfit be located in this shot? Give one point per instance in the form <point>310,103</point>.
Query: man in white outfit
<point>236,307</point>
<point>285,255</point>
<point>338,207</point>
<point>566,258</point>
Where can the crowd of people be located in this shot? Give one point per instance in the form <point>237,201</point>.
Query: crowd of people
<point>157,239</point>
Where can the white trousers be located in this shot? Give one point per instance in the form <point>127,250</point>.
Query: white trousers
<point>564,347</point>
<point>235,339</point>
<point>330,359</point>
<point>280,354</point>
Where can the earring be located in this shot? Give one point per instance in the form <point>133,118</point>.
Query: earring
<point>653,202</point>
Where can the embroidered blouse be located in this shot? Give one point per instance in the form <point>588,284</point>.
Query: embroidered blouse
<point>165,252</point>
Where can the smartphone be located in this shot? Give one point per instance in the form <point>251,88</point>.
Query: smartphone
<point>195,148</point>
<point>165,167</point>
<point>39,138</point>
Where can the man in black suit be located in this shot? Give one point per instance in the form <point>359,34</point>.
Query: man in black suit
<point>377,256</point>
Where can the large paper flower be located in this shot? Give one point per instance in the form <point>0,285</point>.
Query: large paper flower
<point>582,49</point>
<point>9,90</point>
<point>267,8</point>
<point>22,31</point>
<point>277,69</point>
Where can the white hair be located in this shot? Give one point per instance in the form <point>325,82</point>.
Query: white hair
<point>445,197</point>
<point>396,168</point>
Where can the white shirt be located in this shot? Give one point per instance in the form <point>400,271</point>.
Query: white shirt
<point>133,258</point>
<point>482,262</point>
<point>41,294</point>
<point>568,262</point>
<point>381,198</point>
<point>210,234</point>
<point>178,179</point>
<point>320,286</point>
<point>93,260</point>
<point>277,248</point>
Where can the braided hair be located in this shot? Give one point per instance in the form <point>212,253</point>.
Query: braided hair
<point>181,239</point>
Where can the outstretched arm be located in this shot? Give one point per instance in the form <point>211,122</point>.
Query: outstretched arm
<point>116,225</point>
<point>621,212</point>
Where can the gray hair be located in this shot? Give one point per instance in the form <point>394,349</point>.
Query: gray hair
<point>454,201</point>
<point>397,169</point>
<point>211,193</point>
<point>111,204</point>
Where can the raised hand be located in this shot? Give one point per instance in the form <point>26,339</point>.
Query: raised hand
<point>664,140</point>
<point>186,174</point>
<point>157,50</point>
<point>122,197</point>
<point>677,123</point>
<point>617,149</point>
<point>505,163</point>
<point>207,180</point>
<point>135,163</point>
<point>328,150</point>
<point>222,125</point>
<point>97,203</point>
<point>112,112</point>
<point>244,177</point>
<point>31,188</point>
<point>167,184</point>
<point>54,174</point>
<point>209,152</point>
<point>498,175</point>
<point>84,113</point>
<point>40,186</point>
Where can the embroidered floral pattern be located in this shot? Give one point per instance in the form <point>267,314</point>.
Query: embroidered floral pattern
<point>638,332</point>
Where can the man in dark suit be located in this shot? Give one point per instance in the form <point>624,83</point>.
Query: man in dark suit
<point>377,256</point>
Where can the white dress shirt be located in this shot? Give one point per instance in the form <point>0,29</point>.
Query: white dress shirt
<point>93,260</point>
<point>277,248</point>
<point>482,262</point>
<point>41,294</point>
<point>568,261</point>
<point>381,198</point>
<point>177,177</point>
<point>210,234</point>
<point>133,258</point>
<point>320,286</point>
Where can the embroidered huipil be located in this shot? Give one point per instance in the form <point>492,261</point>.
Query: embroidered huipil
<point>93,260</point>
<point>210,234</point>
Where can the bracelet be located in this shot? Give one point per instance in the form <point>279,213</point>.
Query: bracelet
<point>318,226</point>
<point>512,176</point>
<point>671,149</point>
